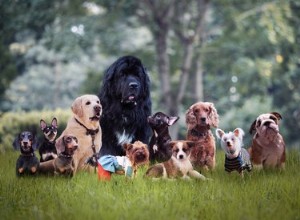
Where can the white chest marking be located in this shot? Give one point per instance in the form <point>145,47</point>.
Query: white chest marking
<point>123,138</point>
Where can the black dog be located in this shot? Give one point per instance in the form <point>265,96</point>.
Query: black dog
<point>125,98</point>
<point>159,148</point>
<point>27,162</point>
<point>47,149</point>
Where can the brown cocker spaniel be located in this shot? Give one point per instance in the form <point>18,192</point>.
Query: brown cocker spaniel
<point>200,117</point>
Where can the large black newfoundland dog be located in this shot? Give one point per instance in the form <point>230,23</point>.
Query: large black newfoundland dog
<point>125,98</point>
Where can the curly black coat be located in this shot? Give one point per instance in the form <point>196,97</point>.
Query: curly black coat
<point>125,98</point>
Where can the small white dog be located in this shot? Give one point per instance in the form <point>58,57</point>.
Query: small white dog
<point>236,157</point>
<point>178,166</point>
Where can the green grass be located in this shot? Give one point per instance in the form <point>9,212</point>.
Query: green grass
<point>260,195</point>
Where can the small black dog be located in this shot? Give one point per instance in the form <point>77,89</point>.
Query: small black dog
<point>47,149</point>
<point>27,162</point>
<point>159,148</point>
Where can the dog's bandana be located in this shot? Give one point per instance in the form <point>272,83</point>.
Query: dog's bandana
<point>114,163</point>
<point>239,163</point>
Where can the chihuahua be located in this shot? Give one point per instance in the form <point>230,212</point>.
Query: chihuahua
<point>47,149</point>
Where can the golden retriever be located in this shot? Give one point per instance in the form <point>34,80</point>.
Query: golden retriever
<point>84,124</point>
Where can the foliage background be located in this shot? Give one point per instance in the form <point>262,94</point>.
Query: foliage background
<point>241,55</point>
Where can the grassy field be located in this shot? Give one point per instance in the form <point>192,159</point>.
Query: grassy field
<point>260,195</point>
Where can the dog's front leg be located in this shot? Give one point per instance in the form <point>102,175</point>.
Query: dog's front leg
<point>21,170</point>
<point>197,175</point>
<point>33,169</point>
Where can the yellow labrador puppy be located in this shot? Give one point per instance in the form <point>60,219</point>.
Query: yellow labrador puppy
<point>84,124</point>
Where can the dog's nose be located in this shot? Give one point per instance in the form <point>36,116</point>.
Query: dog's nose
<point>181,156</point>
<point>133,85</point>
<point>203,119</point>
<point>267,123</point>
<point>97,108</point>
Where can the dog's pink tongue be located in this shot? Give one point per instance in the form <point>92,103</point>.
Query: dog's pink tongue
<point>130,98</point>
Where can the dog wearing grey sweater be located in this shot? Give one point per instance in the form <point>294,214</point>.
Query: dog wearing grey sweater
<point>237,158</point>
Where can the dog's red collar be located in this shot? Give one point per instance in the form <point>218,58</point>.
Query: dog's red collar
<point>88,131</point>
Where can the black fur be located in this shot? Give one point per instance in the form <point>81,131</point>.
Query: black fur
<point>47,148</point>
<point>159,147</point>
<point>27,143</point>
<point>125,98</point>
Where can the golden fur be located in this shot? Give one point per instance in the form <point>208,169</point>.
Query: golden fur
<point>86,110</point>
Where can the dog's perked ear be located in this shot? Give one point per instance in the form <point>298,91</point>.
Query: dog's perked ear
<point>77,107</point>
<point>60,145</point>
<point>172,120</point>
<point>253,127</point>
<point>43,124</point>
<point>213,115</point>
<point>54,122</point>
<point>219,133</point>
<point>238,132</point>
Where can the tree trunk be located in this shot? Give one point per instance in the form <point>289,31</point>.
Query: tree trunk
<point>198,80</point>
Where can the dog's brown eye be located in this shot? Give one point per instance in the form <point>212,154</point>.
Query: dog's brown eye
<point>88,103</point>
<point>184,150</point>
<point>76,140</point>
<point>273,118</point>
<point>98,102</point>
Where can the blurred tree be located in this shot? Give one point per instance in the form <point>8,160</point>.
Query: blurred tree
<point>256,55</point>
<point>286,77</point>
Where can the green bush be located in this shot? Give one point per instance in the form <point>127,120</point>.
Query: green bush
<point>13,123</point>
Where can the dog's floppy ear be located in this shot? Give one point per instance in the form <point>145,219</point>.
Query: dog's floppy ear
<point>238,132</point>
<point>60,145</point>
<point>43,124</point>
<point>277,115</point>
<point>35,143</point>
<point>191,143</point>
<point>213,115</point>
<point>190,117</point>
<point>16,143</point>
<point>77,107</point>
<point>172,120</point>
<point>219,133</point>
<point>54,122</point>
<point>253,127</point>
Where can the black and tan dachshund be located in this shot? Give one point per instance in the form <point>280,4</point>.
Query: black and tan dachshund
<point>63,164</point>
<point>27,162</point>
